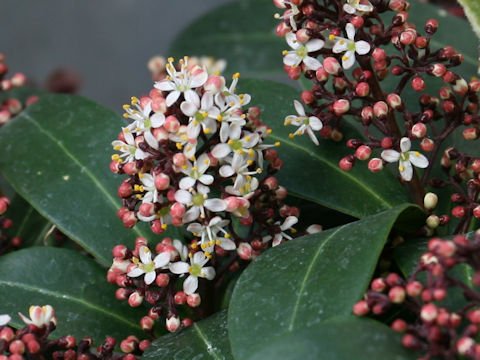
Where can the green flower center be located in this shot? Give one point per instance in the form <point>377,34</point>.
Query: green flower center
<point>404,156</point>
<point>196,270</point>
<point>198,199</point>
<point>147,267</point>
<point>351,46</point>
<point>199,116</point>
<point>236,145</point>
<point>302,52</point>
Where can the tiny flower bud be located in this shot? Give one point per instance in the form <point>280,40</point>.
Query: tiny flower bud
<point>394,101</point>
<point>399,325</point>
<point>346,163</point>
<point>244,250</point>
<point>146,323</point>
<point>396,294</point>
<point>363,152</point>
<point>321,74</point>
<point>419,130</point>
<point>332,66</point>
<point>380,109</point>
<point>429,312</point>
<point>362,89</point>
<point>414,288</point>
<point>193,300</point>
<point>180,298</point>
<point>375,165</point>
<point>361,308</point>
<point>418,84</point>
<point>172,323</point>
<point>458,211</point>
<point>430,201</point>
<point>427,144</point>
<point>341,106</point>
<point>378,285</point>
<point>433,221</point>
<point>162,280</point>
<point>464,345</point>
<point>135,299</point>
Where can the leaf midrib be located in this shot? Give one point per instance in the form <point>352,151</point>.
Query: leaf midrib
<point>70,298</point>
<point>208,345</point>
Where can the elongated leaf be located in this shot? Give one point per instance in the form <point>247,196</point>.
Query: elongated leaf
<point>28,224</point>
<point>307,281</point>
<point>64,171</point>
<point>344,338</point>
<point>73,284</point>
<point>241,32</point>
<point>207,339</point>
<point>311,171</point>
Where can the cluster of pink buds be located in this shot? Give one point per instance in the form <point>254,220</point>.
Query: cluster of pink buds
<point>34,341</point>
<point>195,158</point>
<point>6,243</point>
<point>11,106</point>
<point>326,38</point>
<point>438,331</point>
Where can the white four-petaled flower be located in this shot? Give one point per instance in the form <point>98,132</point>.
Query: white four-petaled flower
<point>358,7</point>
<point>349,46</point>
<point>147,266</point>
<point>405,158</point>
<point>305,123</point>
<point>195,270</point>
<point>300,52</point>
<point>40,316</point>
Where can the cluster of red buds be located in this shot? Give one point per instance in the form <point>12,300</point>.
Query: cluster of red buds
<point>195,158</point>
<point>7,244</point>
<point>438,331</point>
<point>11,106</point>
<point>328,37</point>
<point>34,341</point>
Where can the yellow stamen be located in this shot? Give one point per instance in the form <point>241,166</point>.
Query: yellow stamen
<point>269,131</point>
<point>227,236</point>
<point>206,131</point>
<point>278,143</point>
<point>401,168</point>
<point>291,136</point>
<point>236,75</point>
<point>194,245</point>
<point>332,37</point>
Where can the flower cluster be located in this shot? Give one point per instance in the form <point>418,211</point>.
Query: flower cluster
<point>438,330</point>
<point>194,157</point>
<point>34,341</point>
<point>346,52</point>
<point>6,243</point>
<point>11,106</point>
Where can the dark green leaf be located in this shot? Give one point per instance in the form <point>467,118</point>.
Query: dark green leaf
<point>243,33</point>
<point>64,171</point>
<point>312,172</point>
<point>207,339</point>
<point>344,338</point>
<point>73,284</point>
<point>307,280</point>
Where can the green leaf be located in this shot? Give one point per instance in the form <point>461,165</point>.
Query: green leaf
<point>312,172</point>
<point>207,339</point>
<point>343,338</point>
<point>28,224</point>
<point>242,32</point>
<point>73,284</point>
<point>308,280</point>
<point>472,11</point>
<point>64,171</point>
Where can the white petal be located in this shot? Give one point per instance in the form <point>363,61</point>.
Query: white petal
<point>165,85</point>
<point>4,320</point>
<point>418,159</point>
<point>215,205</point>
<point>161,259</point>
<point>315,123</point>
<point>207,101</point>
<point>221,150</point>
<point>150,139</point>
<point>407,171</point>
<point>172,97</point>
<point>145,255</point>
<point>157,119</point>
<point>312,136</point>
<point>291,59</point>
<point>192,214</point>
<point>277,240</point>
<point>186,183</point>
<point>348,9</point>
<point>192,97</point>
<point>146,218</point>
<point>199,258</point>
<point>312,63</point>
<point>193,129</point>
<point>350,31</point>
<point>314,45</point>
<point>199,79</point>
<point>226,171</point>
<point>405,144</point>
<point>188,108</point>
<point>203,162</point>
<point>183,197</point>
<point>140,154</point>
<point>179,267</point>
<point>362,47</point>
<point>190,285</point>
<point>235,131</point>
<point>150,277</point>
<point>348,59</point>
<point>390,155</point>
<point>228,245</point>
<point>135,272</point>
<point>202,189</point>
<point>292,41</point>
<point>208,273</point>
<point>206,179</point>
<point>224,132</point>
<point>147,180</point>
<point>340,46</point>
<point>25,319</point>
<point>289,222</point>
<point>299,108</point>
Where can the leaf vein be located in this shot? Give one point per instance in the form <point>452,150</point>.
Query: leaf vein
<point>202,336</point>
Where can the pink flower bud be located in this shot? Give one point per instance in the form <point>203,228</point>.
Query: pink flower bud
<point>146,209</point>
<point>418,84</point>
<point>125,190</point>
<point>162,181</point>
<point>419,130</point>
<point>129,219</point>
<point>244,250</point>
<point>193,300</point>
<point>380,109</point>
<point>346,163</point>
<point>395,101</point>
<point>367,113</point>
<point>19,79</point>
<point>431,26</point>
<point>17,347</point>
<point>379,54</point>
<point>232,203</point>
<point>160,134</point>
<point>321,74</point>
<point>307,97</point>
<point>378,285</point>
<point>180,298</point>
<point>363,152</point>
<point>271,183</point>
<point>302,35</point>
<point>128,345</point>
<point>361,308</point>
<point>375,165</point>
<point>214,84</point>
<point>427,144</point>
<point>341,106</point>
<point>282,29</point>
<point>408,36</point>
<point>172,323</point>
<point>146,323</point>
<point>399,325</point>
<point>396,294</point>
<point>135,299</point>
<point>294,72</point>
<point>460,86</point>
<point>438,70</point>
<point>177,209</point>
<point>130,168</point>
<point>414,288</point>
<point>421,42</point>
<point>464,345</point>
<point>171,124</point>
<point>362,89</point>
<point>429,312</point>
<point>179,160</point>
<point>332,66</point>
<point>458,211</point>
<point>159,104</point>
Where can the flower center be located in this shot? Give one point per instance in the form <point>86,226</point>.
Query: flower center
<point>195,270</point>
<point>236,145</point>
<point>351,46</point>
<point>147,267</point>
<point>198,199</point>
<point>302,52</point>
<point>404,156</point>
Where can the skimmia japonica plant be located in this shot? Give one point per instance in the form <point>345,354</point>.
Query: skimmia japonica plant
<point>219,182</point>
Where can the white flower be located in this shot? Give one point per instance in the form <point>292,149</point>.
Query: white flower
<point>182,141</point>
<point>235,144</point>
<point>150,194</point>
<point>196,172</point>
<point>349,47</point>
<point>245,187</point>
<point>128,150</point>
<point>208,234</point>
<point>40,316</point>
<point>202,115</point>
<point>279,236</point>
<point>183,81</point>
<point>238,165</point>
<point>358,7</point>
<point>290,14</point>
<point>195,270</point>
<point>300,52</point>
<point>406,158</point>
<point>304,123</point>
<point>4,320</point>
<point>198,201</point>
<point>147,266</point>
<point>141,116</point>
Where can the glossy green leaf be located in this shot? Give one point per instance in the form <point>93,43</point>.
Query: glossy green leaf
<point>241,32</point>
<point>308,280</point>
<point>206,339</point>
<point>73,284</point>
<point>312,172</point>
<point>28,224</point>
<point>344,338</point>
<point>64,171</point>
